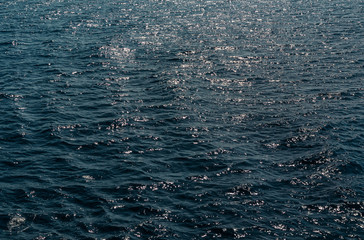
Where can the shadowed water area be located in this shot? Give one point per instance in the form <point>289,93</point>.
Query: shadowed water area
<point>171,119</point>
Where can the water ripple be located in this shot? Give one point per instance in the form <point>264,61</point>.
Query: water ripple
<point>181,119</point>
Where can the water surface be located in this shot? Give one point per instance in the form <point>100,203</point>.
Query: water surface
<point>181,119</point>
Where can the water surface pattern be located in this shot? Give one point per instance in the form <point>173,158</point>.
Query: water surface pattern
<point>171,119</point>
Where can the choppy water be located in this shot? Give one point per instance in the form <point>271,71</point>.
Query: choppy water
<point>152,119</point>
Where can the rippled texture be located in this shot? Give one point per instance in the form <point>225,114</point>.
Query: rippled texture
<point>192,119</point>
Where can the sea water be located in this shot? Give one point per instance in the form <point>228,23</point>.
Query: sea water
<point>181,119</point>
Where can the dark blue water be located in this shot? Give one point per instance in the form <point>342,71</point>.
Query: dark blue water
<point>171,119</point>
